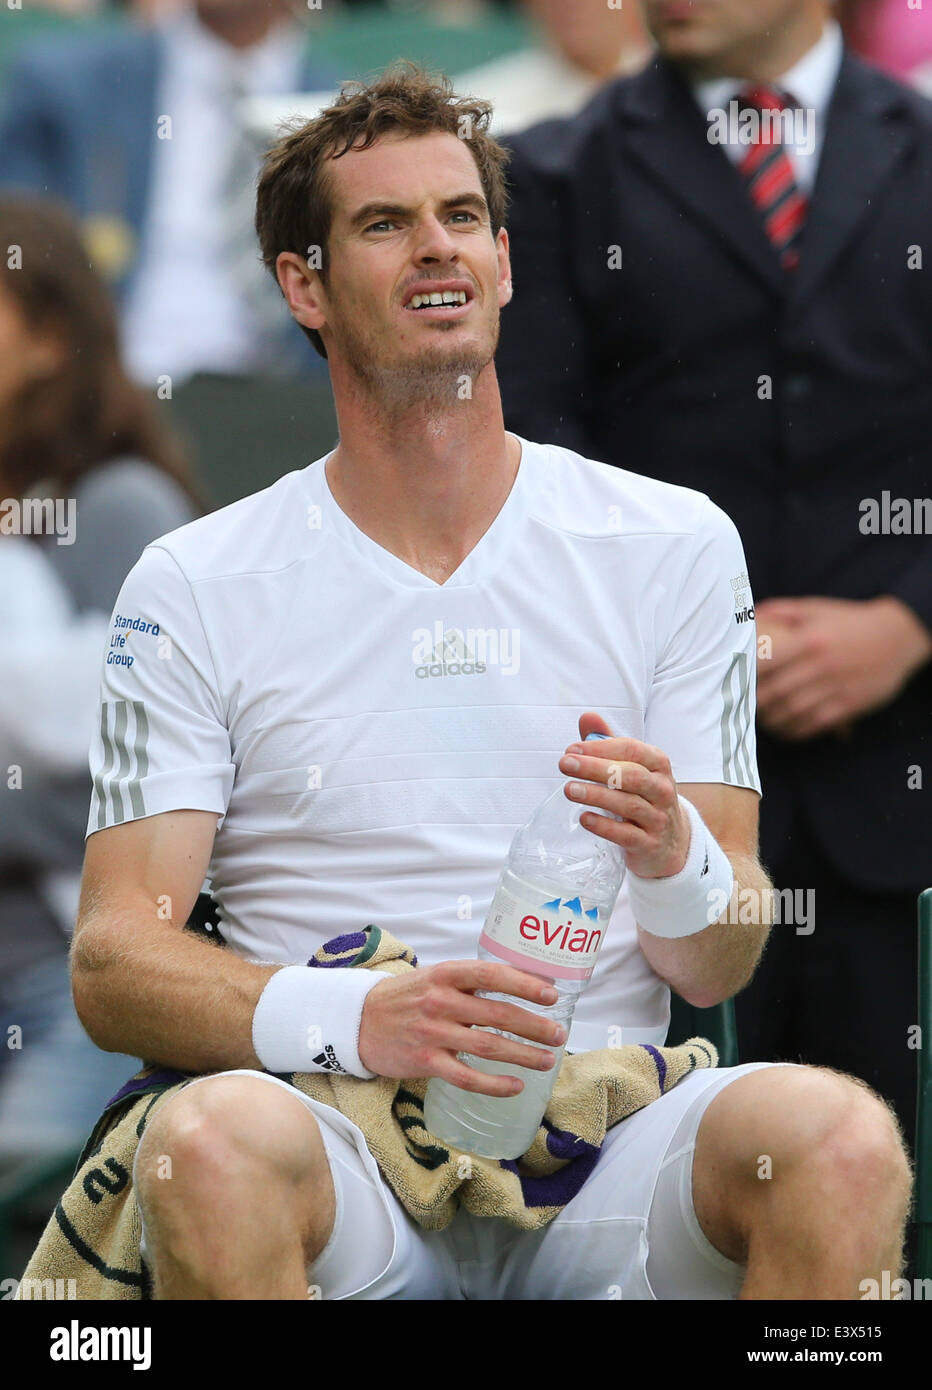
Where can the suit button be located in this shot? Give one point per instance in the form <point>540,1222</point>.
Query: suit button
<point>798,386</point>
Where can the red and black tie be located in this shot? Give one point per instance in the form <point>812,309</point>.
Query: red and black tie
<point>771,180</point>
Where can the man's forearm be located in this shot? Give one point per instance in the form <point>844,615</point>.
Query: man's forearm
<point>717,962</point>
<point>164,995</point>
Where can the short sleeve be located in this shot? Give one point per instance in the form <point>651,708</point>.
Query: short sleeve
<point>161,742</point>
<point>703,697</point>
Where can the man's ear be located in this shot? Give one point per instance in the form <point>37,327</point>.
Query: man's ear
<point>299,278</point>
<point>504,268</point>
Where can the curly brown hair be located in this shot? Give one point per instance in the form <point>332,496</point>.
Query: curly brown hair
<point>294,204</point>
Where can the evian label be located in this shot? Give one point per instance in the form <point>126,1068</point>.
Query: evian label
<point>557,937</point>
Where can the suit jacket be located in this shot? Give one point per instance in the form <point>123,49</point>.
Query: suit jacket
<point>79,122</point>
<point>653,327</point>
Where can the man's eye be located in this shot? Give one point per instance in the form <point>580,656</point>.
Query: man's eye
<point>379,226</point>
<point>470,215</point>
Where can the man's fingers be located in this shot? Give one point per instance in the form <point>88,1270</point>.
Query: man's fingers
<point>493,978</point>
<point>780,611</point>
<point>494,1047</point>
<point>508,1018</point>
<point>617,775</point>
<point>788,683</point>
<point>625,750</point>
<point>796,701</point>
<point>652,819</point>
<point>482,1083</point>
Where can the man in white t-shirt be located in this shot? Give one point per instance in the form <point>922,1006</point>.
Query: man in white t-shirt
<point>338,699</point>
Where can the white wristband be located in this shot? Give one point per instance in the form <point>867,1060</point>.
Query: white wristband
<point>308,1019</point>
<point>687,902</point>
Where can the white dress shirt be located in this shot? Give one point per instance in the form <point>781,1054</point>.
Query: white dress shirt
<point>184,311</point>
<point>810,83</point>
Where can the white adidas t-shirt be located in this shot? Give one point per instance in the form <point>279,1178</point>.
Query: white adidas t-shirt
<point>371,739</point>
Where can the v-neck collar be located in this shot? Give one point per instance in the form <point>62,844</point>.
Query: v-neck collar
<point>482,560</point>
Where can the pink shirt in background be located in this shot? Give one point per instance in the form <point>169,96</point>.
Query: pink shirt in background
<point>892,36</point>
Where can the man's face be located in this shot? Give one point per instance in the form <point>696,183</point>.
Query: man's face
<point>705,32</point>
<point>410,218</point>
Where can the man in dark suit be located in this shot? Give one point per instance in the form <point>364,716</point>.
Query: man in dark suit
<point>746,314</point>
<point>142,132</point>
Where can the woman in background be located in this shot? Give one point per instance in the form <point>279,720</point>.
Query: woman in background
<point>74,429</point>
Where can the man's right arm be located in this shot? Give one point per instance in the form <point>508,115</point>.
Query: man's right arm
<point>144,986</point>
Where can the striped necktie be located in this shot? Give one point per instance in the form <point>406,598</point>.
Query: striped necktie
<point>770,177</point>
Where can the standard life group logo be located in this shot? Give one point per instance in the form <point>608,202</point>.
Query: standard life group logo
<point>448,651</point>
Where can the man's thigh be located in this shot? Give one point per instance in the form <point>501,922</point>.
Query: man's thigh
<point>632,1231</point>
<point>375,1250</point>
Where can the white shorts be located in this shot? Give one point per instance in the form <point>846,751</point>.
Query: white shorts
<point>631,1232</point>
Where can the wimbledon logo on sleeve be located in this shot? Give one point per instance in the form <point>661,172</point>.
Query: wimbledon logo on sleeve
<point>744,608</point>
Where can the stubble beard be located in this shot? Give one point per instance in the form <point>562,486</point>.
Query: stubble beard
<point>434,379</point>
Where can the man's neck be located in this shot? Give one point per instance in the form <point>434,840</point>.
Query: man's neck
<point>764,61</point>
<point>427,481</point>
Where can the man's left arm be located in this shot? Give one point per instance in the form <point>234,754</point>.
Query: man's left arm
<point>686,796</point>
<point>719,961</point>
<point>634,781</point>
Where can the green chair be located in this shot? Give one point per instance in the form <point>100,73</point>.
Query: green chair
<point>717,1024</point>
<point>924,1096</point>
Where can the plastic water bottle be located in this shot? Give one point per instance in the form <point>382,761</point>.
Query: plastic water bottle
<point>548,917</point>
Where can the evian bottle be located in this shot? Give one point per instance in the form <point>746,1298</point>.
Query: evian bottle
<point>548,917</point>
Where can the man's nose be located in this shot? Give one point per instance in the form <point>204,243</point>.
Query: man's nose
<point>434,241</point>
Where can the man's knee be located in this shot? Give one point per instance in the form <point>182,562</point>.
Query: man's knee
<point>862,1146</point>
<point>226,1137</point>
<point>798,1128</point>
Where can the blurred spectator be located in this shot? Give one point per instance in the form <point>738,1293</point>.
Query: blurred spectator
<point>892,34</point>
<point>74,430</point>
<point>140,131</point>
<point>768,343</point>
<point>579,47</point>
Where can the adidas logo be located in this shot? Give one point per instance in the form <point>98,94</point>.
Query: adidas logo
<point>451,657</point>
<point>328,1060</point>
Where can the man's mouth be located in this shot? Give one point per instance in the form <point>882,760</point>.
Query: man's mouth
<point>439,299</point>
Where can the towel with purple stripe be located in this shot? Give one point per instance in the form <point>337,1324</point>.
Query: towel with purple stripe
<point>93,1234</point>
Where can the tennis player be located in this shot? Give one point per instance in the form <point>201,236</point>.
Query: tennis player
<point>338,698</point>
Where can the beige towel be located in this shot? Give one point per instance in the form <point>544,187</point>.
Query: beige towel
<point>93,1234</point>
